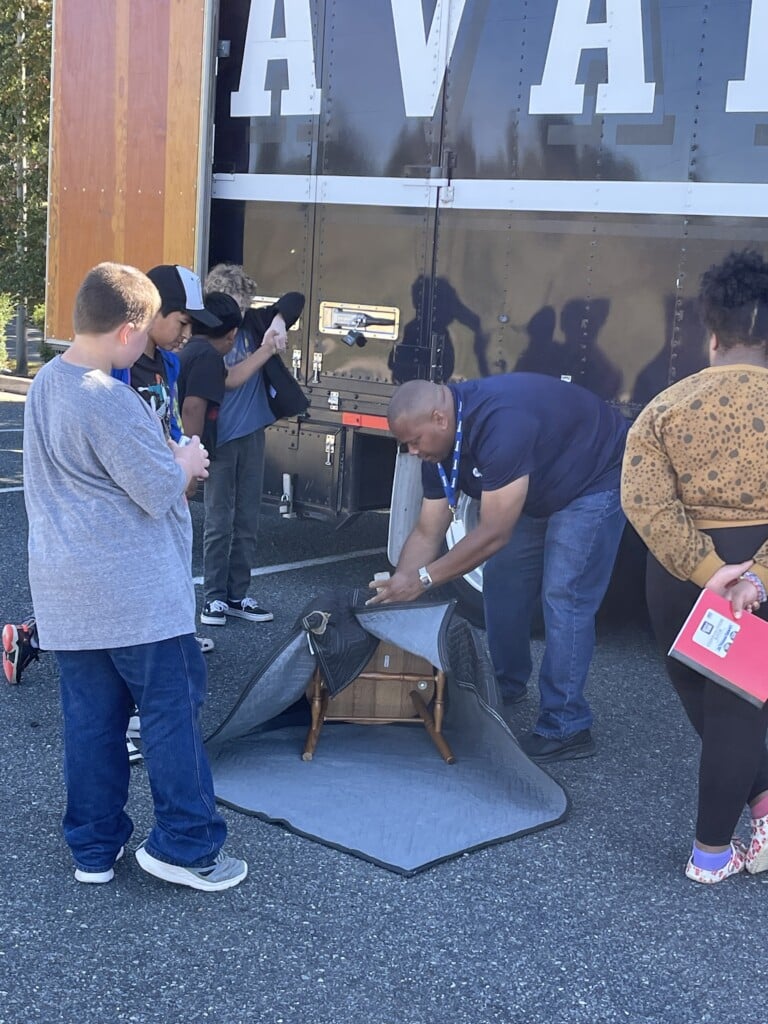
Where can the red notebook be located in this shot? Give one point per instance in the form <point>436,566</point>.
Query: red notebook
<point>731,652</point>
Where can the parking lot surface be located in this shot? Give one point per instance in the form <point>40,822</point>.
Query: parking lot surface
<point>590,921</point>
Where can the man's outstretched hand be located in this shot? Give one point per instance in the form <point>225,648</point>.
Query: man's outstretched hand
<point>403,586</point>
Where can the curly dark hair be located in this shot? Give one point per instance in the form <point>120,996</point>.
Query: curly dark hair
<point>733,299</point>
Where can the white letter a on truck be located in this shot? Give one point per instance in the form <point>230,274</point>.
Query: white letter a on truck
<point>302,95</point>
<point>620,35</point>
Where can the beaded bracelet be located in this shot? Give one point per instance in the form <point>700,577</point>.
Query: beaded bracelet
<point>757,583</point>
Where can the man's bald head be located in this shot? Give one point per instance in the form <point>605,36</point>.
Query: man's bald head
<point>415,400</point>
<point>421,415</point>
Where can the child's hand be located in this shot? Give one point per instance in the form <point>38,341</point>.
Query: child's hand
<point>192,457</point>
<point>274,340</point>
<point>280,332</point>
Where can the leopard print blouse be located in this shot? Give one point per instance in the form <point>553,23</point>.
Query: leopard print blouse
<point>696,458</point>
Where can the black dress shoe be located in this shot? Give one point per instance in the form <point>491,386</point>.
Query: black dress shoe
<point>545,749</point>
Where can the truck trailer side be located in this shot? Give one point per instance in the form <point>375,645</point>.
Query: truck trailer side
<point>459,187</point>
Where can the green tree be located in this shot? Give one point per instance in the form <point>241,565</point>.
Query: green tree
<point>25,71</point>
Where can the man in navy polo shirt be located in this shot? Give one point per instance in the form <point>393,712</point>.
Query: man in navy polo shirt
<point>544,458</point>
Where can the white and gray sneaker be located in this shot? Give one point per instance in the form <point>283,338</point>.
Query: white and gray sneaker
<point>214,613</point>
<point>224,873</point>
<point>248,609</point>
<point>98,877</point>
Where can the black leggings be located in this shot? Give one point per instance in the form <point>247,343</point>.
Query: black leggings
<point>733,768</point>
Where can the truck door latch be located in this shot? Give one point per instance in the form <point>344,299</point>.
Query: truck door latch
<point>296,362</point>
<point>317,366</point>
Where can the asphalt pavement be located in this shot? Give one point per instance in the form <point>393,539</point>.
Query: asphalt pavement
<point>589,921</point>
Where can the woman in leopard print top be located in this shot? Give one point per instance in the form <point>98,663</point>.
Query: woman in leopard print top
<point>695,486</point>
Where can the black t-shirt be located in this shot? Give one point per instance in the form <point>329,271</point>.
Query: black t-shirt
<point>202,375</point>
<point>566,440</point>
<point>150,379</point>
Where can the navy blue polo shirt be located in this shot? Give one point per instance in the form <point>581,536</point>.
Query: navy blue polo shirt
<point>566,440</point>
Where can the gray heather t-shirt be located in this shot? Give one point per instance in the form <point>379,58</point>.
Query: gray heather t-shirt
<point>110,535</point>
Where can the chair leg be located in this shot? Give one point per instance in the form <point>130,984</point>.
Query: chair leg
<point>319,703</point>
<point>424,714</point>
<point>439,704</point>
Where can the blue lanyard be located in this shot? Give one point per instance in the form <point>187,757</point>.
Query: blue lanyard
<point>452,489</point>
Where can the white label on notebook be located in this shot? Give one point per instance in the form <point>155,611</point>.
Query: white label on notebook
<point>716,633</point>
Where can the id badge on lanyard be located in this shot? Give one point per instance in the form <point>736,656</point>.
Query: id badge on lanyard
<point>451,487</point>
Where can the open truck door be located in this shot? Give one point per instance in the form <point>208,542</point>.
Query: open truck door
<point>129,130</point>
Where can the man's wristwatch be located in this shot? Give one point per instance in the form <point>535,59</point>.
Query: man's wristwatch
<point>424,578</point>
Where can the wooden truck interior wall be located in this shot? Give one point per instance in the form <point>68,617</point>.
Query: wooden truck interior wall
<point>127,87</point>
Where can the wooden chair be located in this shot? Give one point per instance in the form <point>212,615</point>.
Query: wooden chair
<point>394,686</point>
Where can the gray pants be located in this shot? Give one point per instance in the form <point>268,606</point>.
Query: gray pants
<point>232,500</point>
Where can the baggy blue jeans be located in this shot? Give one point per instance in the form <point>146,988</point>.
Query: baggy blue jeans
<point>167,682</point>
<point>565,560</point>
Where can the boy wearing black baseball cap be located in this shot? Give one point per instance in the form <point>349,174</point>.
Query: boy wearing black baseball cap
<point>155,373</point>
<point>181,292</point>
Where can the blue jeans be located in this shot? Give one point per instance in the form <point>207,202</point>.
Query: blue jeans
<point>566,561</point>
<point>167,682</point>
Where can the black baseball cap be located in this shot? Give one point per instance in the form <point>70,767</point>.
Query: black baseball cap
<point>226,311</point>
<point>180,289</point>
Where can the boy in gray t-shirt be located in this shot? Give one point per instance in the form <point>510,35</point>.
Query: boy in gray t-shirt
<point>101,483</point>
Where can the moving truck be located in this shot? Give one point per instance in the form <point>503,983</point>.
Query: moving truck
<point>459,187</point>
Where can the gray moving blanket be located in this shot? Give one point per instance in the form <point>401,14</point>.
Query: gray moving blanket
<point>382,792</point>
